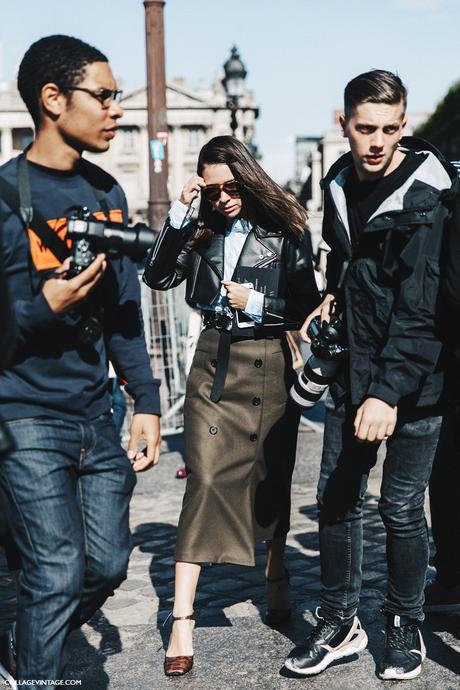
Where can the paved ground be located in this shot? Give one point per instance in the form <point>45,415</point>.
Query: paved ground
<point>123,647</point>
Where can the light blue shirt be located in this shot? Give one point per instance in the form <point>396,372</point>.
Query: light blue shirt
<point>235,237</point>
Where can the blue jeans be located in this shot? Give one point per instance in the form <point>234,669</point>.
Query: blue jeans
<point>66,490</point>
<point>342,485</point>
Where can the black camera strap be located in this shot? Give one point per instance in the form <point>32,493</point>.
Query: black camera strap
<point>20,202</point>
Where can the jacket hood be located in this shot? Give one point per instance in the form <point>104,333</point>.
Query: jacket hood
<point>434,170</point>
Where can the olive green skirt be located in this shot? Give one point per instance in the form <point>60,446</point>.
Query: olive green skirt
<point>240,452</point>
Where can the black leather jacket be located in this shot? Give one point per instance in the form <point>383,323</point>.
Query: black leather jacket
<point>170,262</point>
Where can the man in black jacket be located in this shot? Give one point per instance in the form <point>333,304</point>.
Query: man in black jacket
<point>385,212</point>
<point>67,484</point>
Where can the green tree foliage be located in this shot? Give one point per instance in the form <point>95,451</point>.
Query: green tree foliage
<point>443,127</point>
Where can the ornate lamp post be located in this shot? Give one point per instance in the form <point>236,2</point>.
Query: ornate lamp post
<point>233,83</point>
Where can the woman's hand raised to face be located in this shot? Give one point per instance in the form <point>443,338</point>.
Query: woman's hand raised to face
<point>191,189</point>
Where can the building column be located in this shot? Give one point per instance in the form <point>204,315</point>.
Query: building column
<point>7,143</point>
<point>315,181</point>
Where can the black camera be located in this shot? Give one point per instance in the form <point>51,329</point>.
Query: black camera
<point>90,236</point>
<point>328,339</point>
<point>329,349</point>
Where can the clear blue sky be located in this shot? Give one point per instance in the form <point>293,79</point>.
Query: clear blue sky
<point>299,53</point>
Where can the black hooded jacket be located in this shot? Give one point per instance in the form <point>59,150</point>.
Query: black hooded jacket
<point>389,282</point>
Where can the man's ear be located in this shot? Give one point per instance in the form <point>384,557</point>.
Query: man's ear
<point>52,100</point>
<point>402,127</point>
<point>342,121</point>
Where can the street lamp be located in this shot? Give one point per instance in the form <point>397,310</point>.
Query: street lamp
<point>233,83</point>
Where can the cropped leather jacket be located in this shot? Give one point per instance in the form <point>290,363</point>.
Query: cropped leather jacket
<point>170,262</point>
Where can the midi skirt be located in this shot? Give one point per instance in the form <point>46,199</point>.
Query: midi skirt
<point>240,451</point>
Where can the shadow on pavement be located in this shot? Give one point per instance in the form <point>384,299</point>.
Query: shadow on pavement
<point>221,586</point>
<point>437,649</point>
<point>87,661</point>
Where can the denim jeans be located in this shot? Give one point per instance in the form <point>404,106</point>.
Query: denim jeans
<point>445,499</point>
<point>66,490</point>
<point>345,469</point>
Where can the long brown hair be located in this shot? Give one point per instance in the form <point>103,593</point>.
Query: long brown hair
<point>263,201</point>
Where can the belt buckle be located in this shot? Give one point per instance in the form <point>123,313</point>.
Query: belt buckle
<point>223,322</point>
<point>220,320</point>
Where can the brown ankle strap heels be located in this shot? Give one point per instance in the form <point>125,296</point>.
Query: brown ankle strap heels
<point>178,665</point>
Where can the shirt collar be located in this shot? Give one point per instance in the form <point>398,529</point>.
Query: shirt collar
<point>239,225</point>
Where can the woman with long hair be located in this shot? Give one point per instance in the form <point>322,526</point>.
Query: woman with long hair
<point>248,266</point>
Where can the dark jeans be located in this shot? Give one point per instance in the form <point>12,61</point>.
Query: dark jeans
<point>342,485</point>
<point>66,490</point>
<point>445,500</point>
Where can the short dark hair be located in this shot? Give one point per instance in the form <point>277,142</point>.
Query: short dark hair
<point>59,60</point>
<point>376,86</point>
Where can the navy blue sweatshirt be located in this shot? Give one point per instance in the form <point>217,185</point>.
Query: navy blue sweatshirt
<point>53,373</point>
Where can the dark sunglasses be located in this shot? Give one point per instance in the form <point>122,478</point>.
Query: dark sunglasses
<point>212,192</point>
<point>104,96</point>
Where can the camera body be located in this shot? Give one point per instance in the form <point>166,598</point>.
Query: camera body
<point>90,237</point>
<point>329,349</point>
<point>328,339</point>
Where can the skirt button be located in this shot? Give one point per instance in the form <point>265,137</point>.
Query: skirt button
<point>213,430</point>
<point>253,437</point>
<point>258,363</point>
<point>256,401</point>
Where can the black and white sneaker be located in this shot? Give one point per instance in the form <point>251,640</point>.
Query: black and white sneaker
<point>404,650</point>
<point>326,643</point>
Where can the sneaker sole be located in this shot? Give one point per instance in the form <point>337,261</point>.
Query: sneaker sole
<point>352,648</point>
<point>7,677</point>
<point>392,674</point>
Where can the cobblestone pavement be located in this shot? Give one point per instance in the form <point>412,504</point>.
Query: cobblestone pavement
<point>123,646</point>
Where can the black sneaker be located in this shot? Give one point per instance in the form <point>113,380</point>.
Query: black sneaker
<point>8,659</point>
<point>326,643</point>
<point>404,650</point>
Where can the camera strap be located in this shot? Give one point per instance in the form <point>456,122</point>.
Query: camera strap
<point>101,198</point>
<point>20,202</point>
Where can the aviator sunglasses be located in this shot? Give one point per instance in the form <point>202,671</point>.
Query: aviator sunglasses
<point>212,192</point>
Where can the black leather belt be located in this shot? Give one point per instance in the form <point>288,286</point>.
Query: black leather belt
<point>223,356</point>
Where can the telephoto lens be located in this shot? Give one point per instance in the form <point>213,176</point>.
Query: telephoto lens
<point>313,380</point>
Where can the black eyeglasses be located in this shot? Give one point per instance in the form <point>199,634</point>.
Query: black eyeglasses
<point>104,96</point>
<point>212,192</point>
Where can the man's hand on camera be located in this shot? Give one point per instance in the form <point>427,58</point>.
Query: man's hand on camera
<point>375,420</point>
<point>144,427</point>
<point>62,294</point>
<point>191,189</point>
<point>322,311</point>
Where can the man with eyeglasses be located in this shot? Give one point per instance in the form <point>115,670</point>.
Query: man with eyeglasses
<point>66,487</point>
